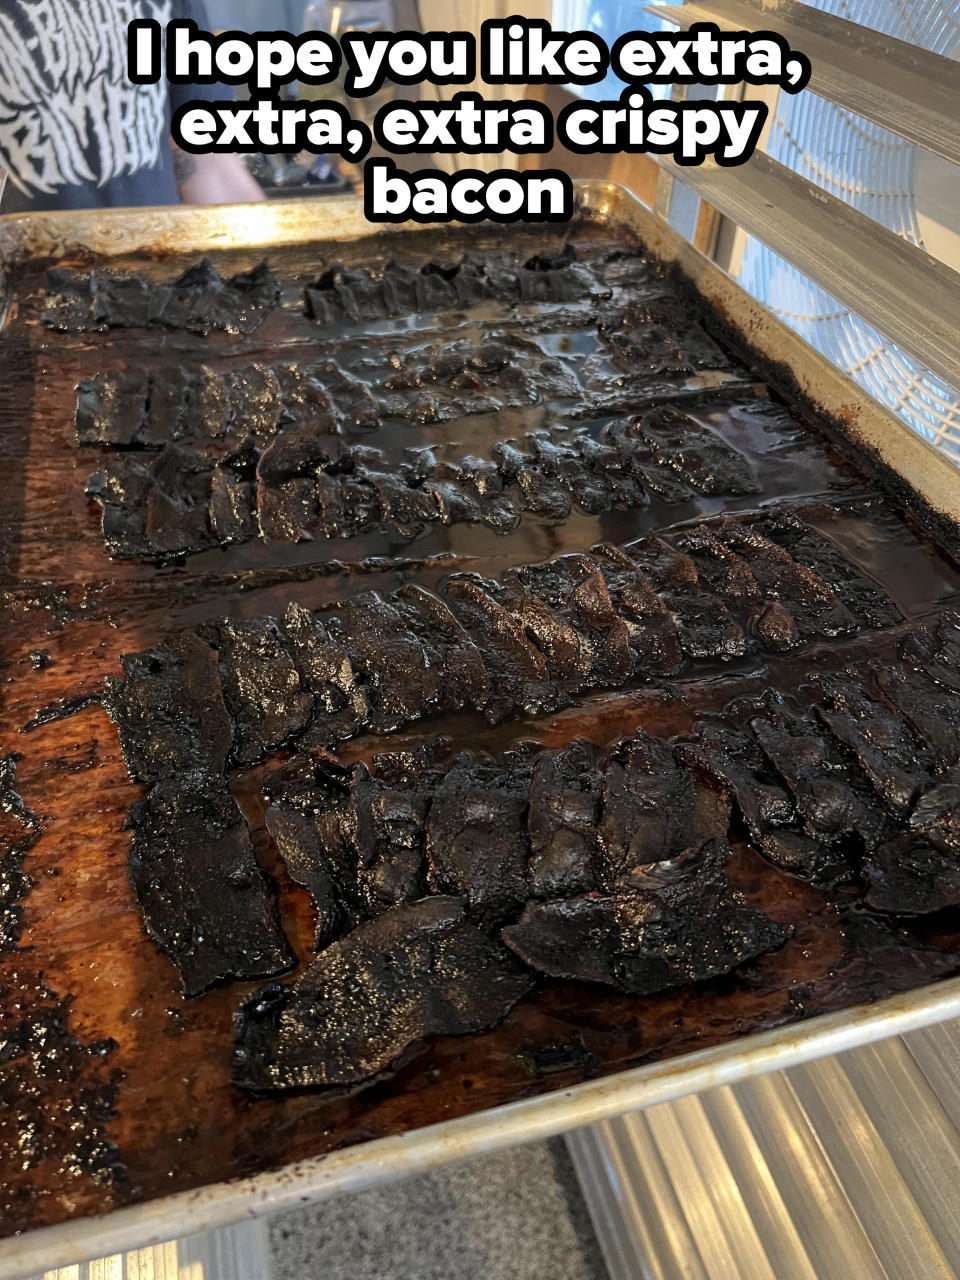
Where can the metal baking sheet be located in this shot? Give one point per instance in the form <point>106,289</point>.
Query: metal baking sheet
<point>867,426</point>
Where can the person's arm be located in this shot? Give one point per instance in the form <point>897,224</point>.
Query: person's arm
<point>214,179</point>
<point>210,179</point>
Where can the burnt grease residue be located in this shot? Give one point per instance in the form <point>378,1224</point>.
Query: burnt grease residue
<point>738,694</point>
<point>19,829</point>
<point>57,1098</point>
<point>55,1095</point>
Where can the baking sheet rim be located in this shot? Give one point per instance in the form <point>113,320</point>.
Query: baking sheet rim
<point>527,1120</point>
<point>868,423</point>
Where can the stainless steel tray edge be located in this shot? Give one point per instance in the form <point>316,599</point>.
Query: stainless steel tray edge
<point>115,232</point>
<point>529,1120</point>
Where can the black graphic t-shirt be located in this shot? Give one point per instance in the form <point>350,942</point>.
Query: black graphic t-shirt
<point>74,132</point>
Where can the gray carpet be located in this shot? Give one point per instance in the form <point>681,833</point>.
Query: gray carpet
<point>517,1215</point>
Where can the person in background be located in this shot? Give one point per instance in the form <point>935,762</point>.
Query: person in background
<point>75,133</point>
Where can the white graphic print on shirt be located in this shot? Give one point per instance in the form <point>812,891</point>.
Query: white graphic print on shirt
<point>67,110</point>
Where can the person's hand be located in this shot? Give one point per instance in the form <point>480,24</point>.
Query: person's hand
<point>214,179</point>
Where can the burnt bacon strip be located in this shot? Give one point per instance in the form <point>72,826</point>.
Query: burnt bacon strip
<point>112,409</point>
<point>563,822</point>
<point>593,614</point>
<point>476,842</point>
<point>931,711</point>
<point>657,336</point>
<point>908,875</point>
<point>390,808</point>
<point>463,674</point>
<point>245,407</point>
<point>786,600</point>
<point>846,787</point>
<point>231,473</point>
<point>169,709</point>
<point>315,830</point>
<point>361,840</point>
<point>918,871</point>
<point>262,688</point>
<point>397,674</point>
<point>748,753</point>
<point>828,798</point>
<point>354,838</point>
<point>430,386</point>
<point>341,704</point>
<point>704,625</point>
<point>123,488</point>
<point>525,644</point>
<point>519,674</point>
<point>418,970</point>
<point>697,454</point>
<point>826,595</point>
<point>858,593</point>
<point>672,922</point>
<point>201,300</point>
<point>203,896</point>
<point>494,833</point>
<point>730,576</point>
<point>730,755</point>
<point>355,296</point>
<point>934,650</point>
<point>895,761</point>
<point>652,808</point>
<point>652,630</point>
<point>936,814</point>
<point>227,467</point>
<point>573,589</point>
<point>569,654</point>
<point>812,603</point>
